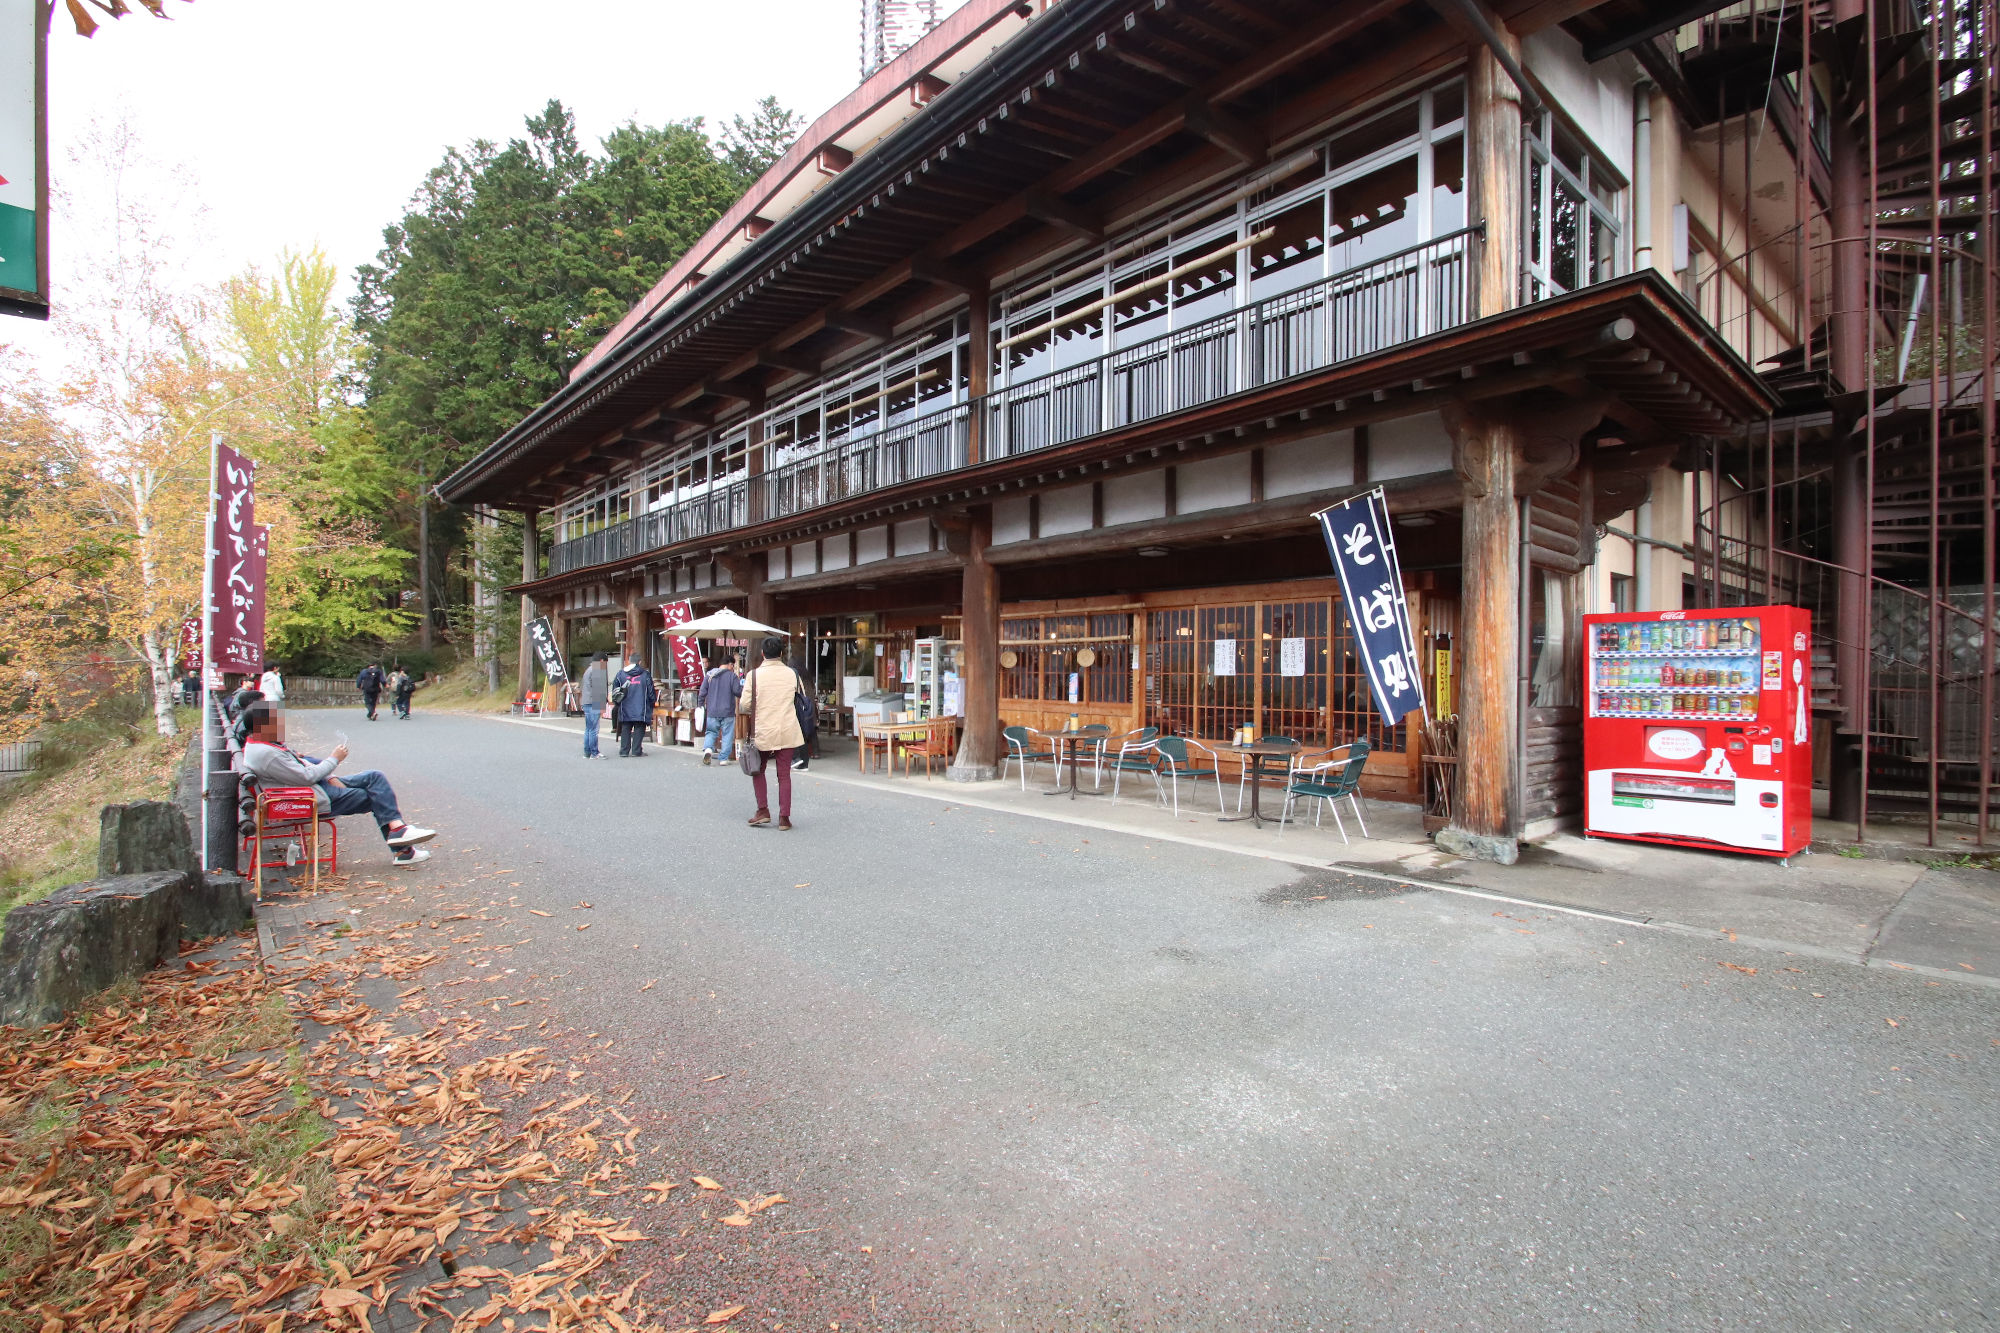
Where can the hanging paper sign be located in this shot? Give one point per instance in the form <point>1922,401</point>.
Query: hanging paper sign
<point>1075,688</point>
<point>687,657</point>
<point>543,636</point>
<point>1292,657</point>
<point>236,559</point>
<point>1225,657</point>
<point>191,644</point>
<point>1371,584</point>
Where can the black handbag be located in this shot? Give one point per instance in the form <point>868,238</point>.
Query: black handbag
<point>807,712</point>
<point>747,752</point>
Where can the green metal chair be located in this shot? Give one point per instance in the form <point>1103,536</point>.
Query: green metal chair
<point>1176,764</point>
<point>1330,782</point>
<point>1135,755</point>
<point>1101,734</point>
<point>1021,749</point>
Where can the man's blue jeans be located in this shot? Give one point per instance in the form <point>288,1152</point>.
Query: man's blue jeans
<point>367,792</point>
<point>591,717</point>
<point>725,724</point>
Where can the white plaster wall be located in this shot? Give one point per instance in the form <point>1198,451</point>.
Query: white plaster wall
<point>870,545</point>
<point>1598,98</point>
<point>1309,465</point>
<point>1135,499</point>
<point>1010,520</point>
<point>1065,509</point>
<point>1408,447</point>
<point>719,577</point>
<point>913,537</point>
<point>835,552</point>
<point>1213,483</point>
<point>805,559</point>
<point>704,576</point>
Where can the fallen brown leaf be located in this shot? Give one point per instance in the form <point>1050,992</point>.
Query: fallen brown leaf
<point>706,1183</point>
<point>1738,967</point>
<point>721,1316</point>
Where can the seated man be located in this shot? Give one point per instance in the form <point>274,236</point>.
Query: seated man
<point>266,756</point>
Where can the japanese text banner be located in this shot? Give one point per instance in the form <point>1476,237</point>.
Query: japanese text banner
<point>1371,584</point>
<point>236,567</point>
<point>687,657</point>
<point>543,636</point>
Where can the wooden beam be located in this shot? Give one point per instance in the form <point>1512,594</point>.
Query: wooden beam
<point>777,359</point>
<point>1226,132</point>
<point>865,326</point>
<point>1058,212</point>
<point>740,390</point>
<point>941,274</point>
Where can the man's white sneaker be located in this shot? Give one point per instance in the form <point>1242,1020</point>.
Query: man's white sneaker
<point>410,856</point>
<point>411,835</point>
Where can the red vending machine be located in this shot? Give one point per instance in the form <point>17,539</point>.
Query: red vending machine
<point>1698,726</point>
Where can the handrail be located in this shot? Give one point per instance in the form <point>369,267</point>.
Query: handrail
<point>1292,333</point>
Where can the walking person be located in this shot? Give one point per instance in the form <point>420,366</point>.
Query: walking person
<point>770,721</point>
<point>272,684</point>
<point>633,695</point>
<point>401,687</point>
<point>594,692</point>
<point>370,682</point>
<point>721,688</point>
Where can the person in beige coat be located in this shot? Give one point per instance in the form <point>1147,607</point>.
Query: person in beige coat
<point>768,718</point>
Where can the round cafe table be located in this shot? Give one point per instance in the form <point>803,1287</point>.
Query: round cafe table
<point>1254,756</point>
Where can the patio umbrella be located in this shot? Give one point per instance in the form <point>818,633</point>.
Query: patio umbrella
<point>723,624</point>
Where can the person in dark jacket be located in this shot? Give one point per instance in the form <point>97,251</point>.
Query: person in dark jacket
<point>402,686</point>
<point>593,693</point>
<point>634,711</point>
<point>370,682</point>
<point>720,690</point>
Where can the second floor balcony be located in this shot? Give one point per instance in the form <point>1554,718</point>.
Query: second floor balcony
<point>1350,316</point>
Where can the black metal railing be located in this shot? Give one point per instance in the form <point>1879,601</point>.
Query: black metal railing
<point>1357,313</point>
<point>857,462</point>
<point>1353,314</point>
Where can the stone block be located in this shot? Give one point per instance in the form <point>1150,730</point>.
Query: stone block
<point>217,903</point>
<point>82,938</point>
<point>142,837</point>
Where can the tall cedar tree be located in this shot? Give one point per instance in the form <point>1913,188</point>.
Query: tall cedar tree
<point>512,262</point>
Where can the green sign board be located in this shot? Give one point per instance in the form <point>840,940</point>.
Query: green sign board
<point>24,159</point>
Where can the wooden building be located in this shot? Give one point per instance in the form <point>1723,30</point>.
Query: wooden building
<point>1054,335</point>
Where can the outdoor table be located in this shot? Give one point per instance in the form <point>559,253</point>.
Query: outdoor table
<point>1075,742</point>
<point>889,733</point>
<point>1254,754</point>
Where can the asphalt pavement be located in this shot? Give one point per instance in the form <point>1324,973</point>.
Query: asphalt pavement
<point>1016,1074</point>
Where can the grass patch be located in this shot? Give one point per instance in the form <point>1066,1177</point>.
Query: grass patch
<point>256,1027</point>
<point>49,819</point>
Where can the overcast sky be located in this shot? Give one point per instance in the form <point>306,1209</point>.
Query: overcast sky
<point>296,122</point>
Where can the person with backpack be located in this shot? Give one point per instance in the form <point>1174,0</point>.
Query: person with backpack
<point>370,681</point>
<point>769,727</point>
<point>632,699</point>
<point>401,687</point>
<point>721,688</point>
<point>593,693</point>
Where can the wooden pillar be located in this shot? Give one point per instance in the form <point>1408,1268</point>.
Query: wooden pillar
<point>979,756</point>
<point>635,623</point>
<point>531,569</point>
<point>1494,174</point>
<point>746,575</point>
<point>755,462</point>
<point>978,371</point>
<point>1486,448</point>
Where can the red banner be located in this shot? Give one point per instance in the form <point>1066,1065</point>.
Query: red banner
<point>687,657</point>
<point>191,644</point>
<point>236,567</point>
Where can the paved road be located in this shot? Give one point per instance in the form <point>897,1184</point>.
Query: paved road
<point>1058,1083</point>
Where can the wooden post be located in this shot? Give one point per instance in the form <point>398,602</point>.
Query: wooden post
<point>635,623</point>
<point>1485,821</point>
<point>978,758</point>
<point>1494,174</point>
<point>530,571</point>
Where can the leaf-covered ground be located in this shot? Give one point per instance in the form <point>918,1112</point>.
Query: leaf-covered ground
<point>314,1145</point>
